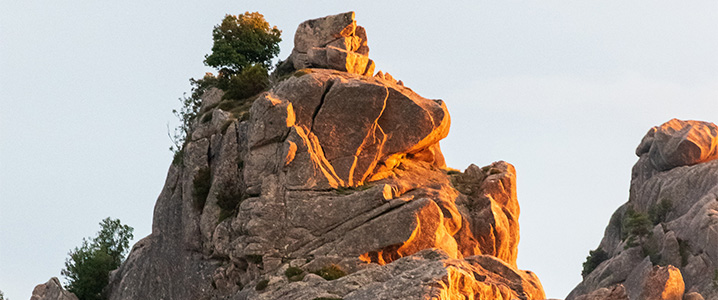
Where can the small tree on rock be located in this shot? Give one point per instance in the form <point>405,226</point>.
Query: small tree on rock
<point>241,41</point>
<point>88,268</point>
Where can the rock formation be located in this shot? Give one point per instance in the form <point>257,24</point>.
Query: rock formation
<point>51,290</point>
<point>331,172</point>
<point>663,241</point>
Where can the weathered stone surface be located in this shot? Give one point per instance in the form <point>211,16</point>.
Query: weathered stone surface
<point>330,168</point>
<point>347,146</point>
<point>663,283</point>
<point>615,292</point>
<point>333,42</point>
<point>51,290</point>
<point>675,184</point>
<point>428,274</point>
<point>680,143</point>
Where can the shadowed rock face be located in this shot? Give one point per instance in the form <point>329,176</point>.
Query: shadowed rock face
<point>337,169</point>
<point>675,186</point>
<point>51,290</point>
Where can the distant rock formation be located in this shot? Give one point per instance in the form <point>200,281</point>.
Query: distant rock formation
<point>664,240</point>
<point>333,172</point>
<point>51,290</point>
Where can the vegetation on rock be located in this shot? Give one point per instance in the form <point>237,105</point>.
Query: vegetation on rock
<point>88,268</point>
<point>659,212</point>
<point>261,285</point>
<point>242,41</point>
<point>594,258</point>
<point>243,49</point>
<point>636,226</point>
<point>294,274</point>
<point>330,272</point>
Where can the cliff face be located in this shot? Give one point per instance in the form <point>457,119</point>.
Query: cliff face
<point>334,171</point>
<point>663,242</point>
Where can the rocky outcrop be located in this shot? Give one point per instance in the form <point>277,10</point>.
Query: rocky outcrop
<point>333,42</point>
<point>669,220</point>
<point>51,290</point>
<point>428,274</point>
<point>331,170</point>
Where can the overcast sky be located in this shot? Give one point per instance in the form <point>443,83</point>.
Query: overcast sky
<point>563,90</point>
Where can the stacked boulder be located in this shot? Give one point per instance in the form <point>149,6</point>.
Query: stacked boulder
<point>333,42</point>
<point>662,244</point>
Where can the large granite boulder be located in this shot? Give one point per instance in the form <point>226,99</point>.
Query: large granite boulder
<point>332,42</point>
<point>330,169</point>
<point>674,187</point>
<point>680,143</point>
<point>51,290</point>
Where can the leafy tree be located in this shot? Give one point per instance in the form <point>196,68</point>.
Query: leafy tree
<point>241,41</point>
<point>88,267</point>
<point>243,49</point>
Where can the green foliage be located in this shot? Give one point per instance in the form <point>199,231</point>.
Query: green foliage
<point>653,254</point>
<point>202,182</point>
<point>248,82</point>
<point>330,272</point>
<point>294,274</point>
<point>242,41</point>
<point>2,296</point>
<point>715,278</point>
<point>636,225</point>
<point>261,285</point>
<point>244,46</point>
<point>88,268</point>
<point>254,258</point>
<point>594,258</point>
<point>660,212</point>
<point>188,113</point>
<point>228,200</point>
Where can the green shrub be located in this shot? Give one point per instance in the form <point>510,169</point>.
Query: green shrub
<point>261,285</point>
<point>228,200</point>
<point>294,274</point>
<point>659,212</point>
<point>636,225</point>
<point>249,82</point>
<point>202,182</point>
<point>594,258</point>
<point>254,258</point>
<point>330,272</point>
<point>88,268</point>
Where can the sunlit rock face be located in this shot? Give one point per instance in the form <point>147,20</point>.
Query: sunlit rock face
<point>674,187</point>
<point>332,169</point>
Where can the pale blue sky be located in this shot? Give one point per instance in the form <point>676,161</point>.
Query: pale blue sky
<point>564,90</point>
